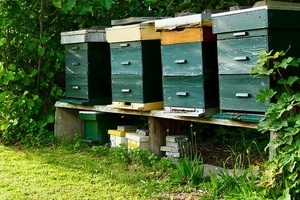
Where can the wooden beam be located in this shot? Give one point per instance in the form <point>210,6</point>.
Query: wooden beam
<point>159,114</point>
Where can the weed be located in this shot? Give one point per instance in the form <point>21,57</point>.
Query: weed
<point>73,143</point>
<point>188,171</point>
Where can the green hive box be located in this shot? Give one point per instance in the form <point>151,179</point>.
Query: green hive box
<point>87,67</point>
<point>241,35</point>
<point>96,125</point>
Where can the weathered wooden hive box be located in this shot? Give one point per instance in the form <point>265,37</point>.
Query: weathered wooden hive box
<point>87,62</point>
<point>241,35</point>
<point>136,66</point>
<point>189,61</point>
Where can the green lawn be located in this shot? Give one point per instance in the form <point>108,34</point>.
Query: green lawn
<point>55,173</point>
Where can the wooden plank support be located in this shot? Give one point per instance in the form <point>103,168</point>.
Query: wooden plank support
<point>67,122</point>
<point>158,130</point>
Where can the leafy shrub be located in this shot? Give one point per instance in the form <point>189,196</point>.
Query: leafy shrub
<point>281,178</point>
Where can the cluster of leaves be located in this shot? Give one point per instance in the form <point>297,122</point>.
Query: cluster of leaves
<point>28,65</point>
<point>282,175</point>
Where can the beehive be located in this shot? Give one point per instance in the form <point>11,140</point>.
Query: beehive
<point>241,35</point>
<point>136,66</point>
<point>189,61</point>
<point>138,141</point>
<point>87,70</point>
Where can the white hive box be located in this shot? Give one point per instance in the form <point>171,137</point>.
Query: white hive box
<point>135,32</point>
<point>117,138</point>
<point>138,141</point>
<point>82,36</point>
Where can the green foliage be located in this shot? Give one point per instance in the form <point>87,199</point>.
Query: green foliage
<point>281,179</point>
<point>29,63</point>
<point>234,185</point>
<point>188,171</point>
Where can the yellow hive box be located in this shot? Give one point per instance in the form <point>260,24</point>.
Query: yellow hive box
<point>117,138</point>
<point>135,32</point>
<point>138,141</point>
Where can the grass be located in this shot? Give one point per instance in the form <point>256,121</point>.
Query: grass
<point>55,173</point>
<point>81,172</point>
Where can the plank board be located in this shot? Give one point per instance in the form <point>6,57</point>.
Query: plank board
<point>137,106</point>
<point>156,114</point>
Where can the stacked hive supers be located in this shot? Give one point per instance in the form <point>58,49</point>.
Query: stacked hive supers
<point>87,67</point>
<point>136,66</point>
<point>241,35</point>
<point>189,61</point>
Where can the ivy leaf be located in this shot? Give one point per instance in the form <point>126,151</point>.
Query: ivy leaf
<point>265,94</point>
<point>278,54</point>
<point>290,81</point>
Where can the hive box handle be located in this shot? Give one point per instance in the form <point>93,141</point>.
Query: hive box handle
<point>125,63</point>
<point>75,64</point>
<point>182,94</point>
<point>240,34</point>
<point>126,90</point>
<point>242,95</point>
<point>183,61</point>
<point>241,58</point>
<point>124,45</point>
<point>75,87</point>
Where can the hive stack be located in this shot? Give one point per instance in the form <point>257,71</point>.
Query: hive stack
<point>241,35</point>
<point>140,140</point>
<point>117,137</point>
<point>136,66</point>
<point>88,68</point>
<point>189,61</point>
<point>175,147</point>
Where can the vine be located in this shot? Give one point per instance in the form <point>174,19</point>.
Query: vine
<point>281,178</point>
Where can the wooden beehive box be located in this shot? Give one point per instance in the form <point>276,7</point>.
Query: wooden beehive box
<point>241,35</point>
<point>189,60</point>
<point>132,32</point>
<point>87,67</point>
<point>136,67</point>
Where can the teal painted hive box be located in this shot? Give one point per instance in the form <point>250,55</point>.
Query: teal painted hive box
<point>136,71</point>
<point>135,67</point>
<point>96,126</point>
<point>189,61</point>
<point>241,35</point>
<point>87,72</point>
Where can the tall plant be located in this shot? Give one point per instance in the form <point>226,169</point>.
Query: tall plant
<point>281,178</point>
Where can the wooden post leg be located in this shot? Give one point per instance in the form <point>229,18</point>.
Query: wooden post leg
<point>67,123</point>
<point>158,131</point>
<point>272,151</point>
